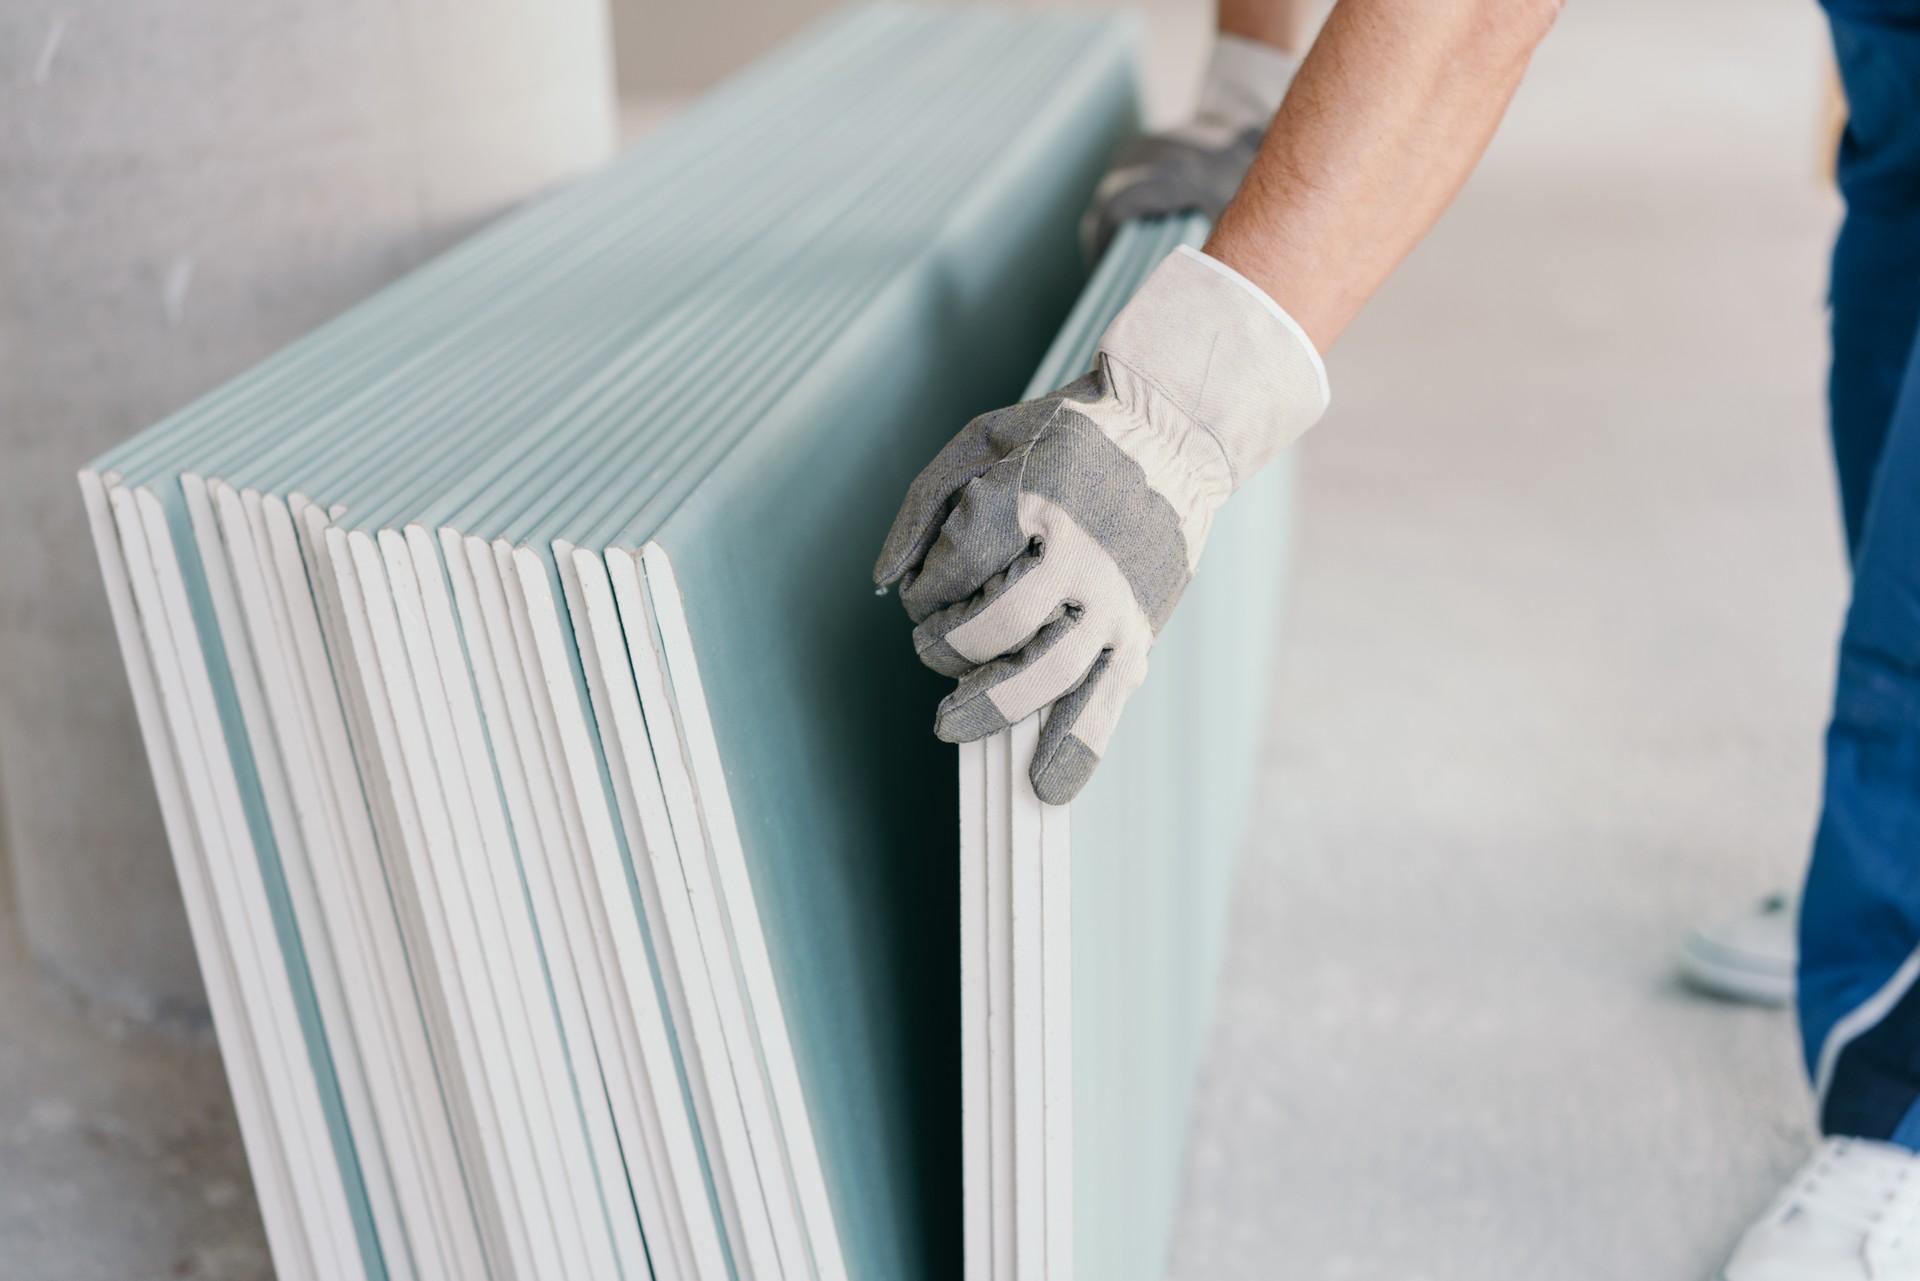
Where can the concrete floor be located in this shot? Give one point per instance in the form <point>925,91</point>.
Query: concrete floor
<point>1553,689</point>
<point>119,1156</point>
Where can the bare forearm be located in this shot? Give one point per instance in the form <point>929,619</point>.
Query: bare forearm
<point>1391,111</point>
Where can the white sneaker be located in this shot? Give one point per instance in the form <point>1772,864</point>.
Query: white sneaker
<point>1748,958</point>
<point>1852,1213</point>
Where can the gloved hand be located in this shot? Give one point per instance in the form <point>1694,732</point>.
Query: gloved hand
<point>1197,167</point>
<point>1044,548</point>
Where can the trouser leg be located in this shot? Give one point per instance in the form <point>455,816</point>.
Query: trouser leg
<point>1860,917</point>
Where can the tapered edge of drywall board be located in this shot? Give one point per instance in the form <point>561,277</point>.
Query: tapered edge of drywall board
<point>299,794</point>
<point>309,715</point>
<point>536,1107</point>
<point>628,1192</point>
<point>631,903</point>
<point>237,875</point>
<point>503,1168</point>
<point>1038,858</point>
<point>666,608</point>
<point>457,912</point>
<point>1056,1001</point>
<point>588,1154</point>
<point>649,750</point>
<point>467,1101</point>
<point>998,751</point>
<point>1017,990</point>
<point>641,810</point>
<point>388,883</point>
<point>238,1046</point>
<point>596,890</point>
<point>638,784</point>
<point>747,1147</point>
<point>976,1209</point>
<point>362,1137</point>
<point>1029,1016</point>
<point>627,643</point>
<point>610,1076</point>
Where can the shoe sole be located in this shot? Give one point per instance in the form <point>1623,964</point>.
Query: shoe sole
<point>1755,987</point>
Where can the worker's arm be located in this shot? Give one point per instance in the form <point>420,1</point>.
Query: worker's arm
<point>1042,551</point>
<point>1384,122</point>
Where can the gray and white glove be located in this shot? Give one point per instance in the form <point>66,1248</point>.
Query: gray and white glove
<point>1045,547</point>
<point>1197,167</point>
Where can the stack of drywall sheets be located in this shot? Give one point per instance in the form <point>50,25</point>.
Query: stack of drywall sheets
<point>1091,933</point>
<point>535,951</point>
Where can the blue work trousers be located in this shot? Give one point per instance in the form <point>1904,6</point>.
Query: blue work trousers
<point>1860,914</point>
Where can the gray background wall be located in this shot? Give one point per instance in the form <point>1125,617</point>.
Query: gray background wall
<point>186,187</point>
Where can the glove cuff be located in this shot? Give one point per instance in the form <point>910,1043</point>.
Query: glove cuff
<point>1225,355</point>
<point>1245,83</point>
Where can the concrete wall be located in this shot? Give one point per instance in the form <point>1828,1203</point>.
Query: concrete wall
<point>185,186</point>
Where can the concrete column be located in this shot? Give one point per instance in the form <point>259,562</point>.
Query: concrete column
<point>185,186</point>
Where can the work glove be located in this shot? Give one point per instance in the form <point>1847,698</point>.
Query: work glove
<point>1197,167</point>
<point>1045,547</point>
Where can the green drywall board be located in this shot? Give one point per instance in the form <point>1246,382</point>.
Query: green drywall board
<point>844,799</point>
<point>1156,835</point>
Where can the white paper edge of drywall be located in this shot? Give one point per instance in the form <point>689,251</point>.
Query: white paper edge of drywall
<point>387,883</point>
<point>467,913</point>
<point>628,1185</point>
<point>999,851</point>
<point>459,750</point>
<point>743,914</point>
<point>311,776</point>
<point>1056,952</point>
<point>233,1032</point>
<point>1029,1010</point>
<point>642,815</point>
<point>976,1119</point>
<point>241,893</point>
<point>407,1095</point>
<point>532,598</point>
<point>1038,856</point>
<point>639,791</point>
<point>316,940</point>
<point>684,866</point>
<point>625,967</point>
<point>636,753</point>
<point>477,1061</point>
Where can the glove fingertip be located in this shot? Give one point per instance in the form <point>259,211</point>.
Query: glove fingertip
<point>906,546</point>
<point>962,719</point>
<point>1061,769</point>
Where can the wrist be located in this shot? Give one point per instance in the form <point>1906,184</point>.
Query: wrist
<point>1222,356</point>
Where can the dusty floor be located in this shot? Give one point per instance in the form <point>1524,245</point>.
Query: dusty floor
<point>1553,689</point>
<point>119,1156</point>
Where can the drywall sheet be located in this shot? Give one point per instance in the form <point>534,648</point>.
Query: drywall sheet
<point>533,952</point>
<point>1083,1028</point>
